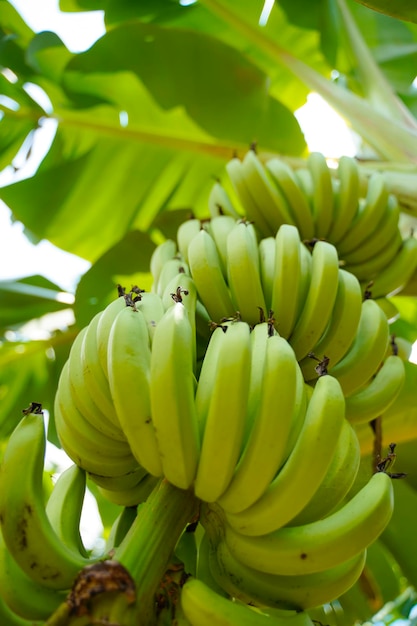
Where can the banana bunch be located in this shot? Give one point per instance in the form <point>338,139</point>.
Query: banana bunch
<point>314,304</point>
<point>360,219</point>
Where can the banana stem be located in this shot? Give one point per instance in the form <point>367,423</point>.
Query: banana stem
<point>148,546</point>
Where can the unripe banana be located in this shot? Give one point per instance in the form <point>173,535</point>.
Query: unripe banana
<point>185,233</point>
<point>172,396</point>
<point>204,607</point>
<point>240,184</point>
<point>162,253</point>
<point>129,361</point>
<point>243,272</point>
<point>346,198</point>
<point>26,530</point>
<point>321,296</point>
<point>206,271</point>
<point>226,413</point>
<point>379,394</point>
<point>367,351</point>
<point>298,480</point>
<point>322,199</point>
<point>286,279</point>
<point>302,592</point>
<point>286,181</point>
<point>266,444</point>
<point>320,545</point>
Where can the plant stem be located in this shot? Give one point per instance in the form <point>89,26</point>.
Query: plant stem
<point>148,546</point>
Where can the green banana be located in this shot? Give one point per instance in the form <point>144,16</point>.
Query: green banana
<point>371,212</point>
<point>95,378</point>
<point>300,209</point>
<point>367,351</point>
<point>267,268</point>
<point>129,360</point>
<point>341,330</point>
<point>264,451</point>
<point>103,330</point>
<point>323,544</point>
<point>24,598</point>
<point>338,480</point>
<point>206,271</point>
<point>299,593</point>
<point>221,202</point>
<point>300,477</point>
<point>172,396</point>
<point>186,232</point>
<point>379,394</point>
<point>271,203</point>
<point>227,409</point>
<point>239,181</point>
<point>376,243</point>
<point>368,270</point>
<point>395,276</point>
<point>320,300</point>
<point>322,200</point>
<point>84,444</point>
<point>130,496</point>
<point>64,508</point>
<point>152,309</point>
<point>172,268</point>
<point>286,279</point>
<point>26,529</point>
<point>219,228</point>
<point>346,199</point>
<point>166,251</point>
<point>202,606</point>
<point>81,394</point>
<point>243,272</point>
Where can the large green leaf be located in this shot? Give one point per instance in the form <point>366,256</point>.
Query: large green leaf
<point>29,298</point>
<point>129,260</point>
<point>183,68</point>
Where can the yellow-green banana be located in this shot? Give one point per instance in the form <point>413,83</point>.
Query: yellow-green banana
<point>305,468</point>
<point>172,396</point>
<point>300,593</point>
<point>26,529</point>
<point>286,279</point>
<point>243,272</point>
<point>264,451</point>
<point>323,544</point>
<point>342,328</point>
<point>320,299</point>
<point>227,408</point>
<point>206,271</point>
<point>300,209</point>
<point>202,606</point>
<point>378,395</point>
<point>129,362</point>
<point>366,353</point>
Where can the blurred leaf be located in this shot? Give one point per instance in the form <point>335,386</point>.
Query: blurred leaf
<point>128,258</point>
<point>23,379</point>
<point>399,536</point>
<point>400,9</point>
<point>183,68</point>
<point>406,325</point>
<point>28,298</point>
<point>47,54</point>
